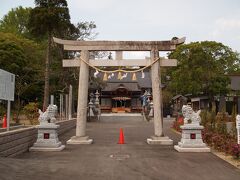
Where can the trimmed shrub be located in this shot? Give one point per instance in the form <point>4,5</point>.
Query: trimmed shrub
<point>236,151</point>
<point>31,112</point>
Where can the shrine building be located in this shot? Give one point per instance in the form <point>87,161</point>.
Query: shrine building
<point>123,96</point>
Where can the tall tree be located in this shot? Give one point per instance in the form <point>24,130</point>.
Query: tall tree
<point>203,68</point>
<point>16,21</point>
<point>48,18</point>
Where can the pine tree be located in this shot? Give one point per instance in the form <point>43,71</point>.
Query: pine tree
<point>48,18</point>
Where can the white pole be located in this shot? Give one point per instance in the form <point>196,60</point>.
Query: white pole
<point>52,100</point>
<point>70,103</point>
<point>8,114</point>
<point>61,106</point>
<point>66,106</point>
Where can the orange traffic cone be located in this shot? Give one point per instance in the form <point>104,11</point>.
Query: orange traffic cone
<point>4,124</point>
<point>121,137</point>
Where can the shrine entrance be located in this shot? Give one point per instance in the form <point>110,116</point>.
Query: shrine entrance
<point>121,100</point>
<point>154,64</point>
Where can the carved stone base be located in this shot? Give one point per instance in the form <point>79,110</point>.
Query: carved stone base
<point>195,149</point>
<point>80,140</point>
<point>60,148</point>
<point>47,138</point>
<point>191,140</point>
<point>159,140</point>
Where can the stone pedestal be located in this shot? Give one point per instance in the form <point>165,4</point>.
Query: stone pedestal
<point>191,140</point>
<point>47,138</point>
<point>159,140</point>
<point>80,140</point>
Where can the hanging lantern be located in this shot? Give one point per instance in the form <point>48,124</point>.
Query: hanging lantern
<point>134,78</point>
<point>112,74</point>
<point>105,77</point>
<point>143,75</point>
<point>109,76</point>
<point>119,75</point>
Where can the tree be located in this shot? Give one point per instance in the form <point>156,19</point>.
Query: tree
<point>85,31</point>
<point>12,57</point>
<point>49,18</point>
<point>63,77</point>
<point>203,68</point>
<point>16,21</point>
<point>22,57</point>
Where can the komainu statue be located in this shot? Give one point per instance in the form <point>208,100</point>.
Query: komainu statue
<point>47,139</point>
<point>49,115</point>
<point>191,117</point>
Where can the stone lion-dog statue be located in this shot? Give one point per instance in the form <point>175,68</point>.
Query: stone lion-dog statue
<point>191,117</point>
<point>49,115</point>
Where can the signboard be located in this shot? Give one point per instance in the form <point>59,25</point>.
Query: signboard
<point>7,85</point>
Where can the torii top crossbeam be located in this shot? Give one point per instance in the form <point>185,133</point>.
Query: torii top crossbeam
<point>78,45</point>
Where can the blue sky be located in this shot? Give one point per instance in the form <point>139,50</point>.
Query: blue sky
<point>200,20</point>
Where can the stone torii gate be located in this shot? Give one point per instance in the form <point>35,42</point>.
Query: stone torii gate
<point>86,46</point>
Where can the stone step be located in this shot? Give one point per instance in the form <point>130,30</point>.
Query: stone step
<point>120,117</point>
<point>122,114</point>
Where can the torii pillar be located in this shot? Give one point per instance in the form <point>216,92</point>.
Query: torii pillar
<point>81,137</point>
<point>158,137</point>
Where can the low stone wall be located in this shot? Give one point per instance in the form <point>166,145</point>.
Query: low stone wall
<point>11,128</point>
<point>18,141</point>
<point>66,126</point>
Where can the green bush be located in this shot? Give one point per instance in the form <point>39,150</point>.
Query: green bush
<point>31,112</point>
<point>236,151</point>
<point>204,119</point>
<point>221,128</point>
<point>215,133</point>
<point>2,111</point>
<point>223,117</point>
<point>208,119</point>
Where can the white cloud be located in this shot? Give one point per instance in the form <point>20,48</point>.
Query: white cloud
<point>155,19</point>
<point>90,5</point>
<point>225,24</point>
<point>227,31</point>
<point>238,37</point>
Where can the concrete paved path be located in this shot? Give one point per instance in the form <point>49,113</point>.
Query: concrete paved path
<point>134,161</point>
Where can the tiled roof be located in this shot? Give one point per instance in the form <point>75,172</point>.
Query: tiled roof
<point>133,86</point>
<point>177,96</point>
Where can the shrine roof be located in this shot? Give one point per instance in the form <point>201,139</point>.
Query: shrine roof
<point>129,86</point>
